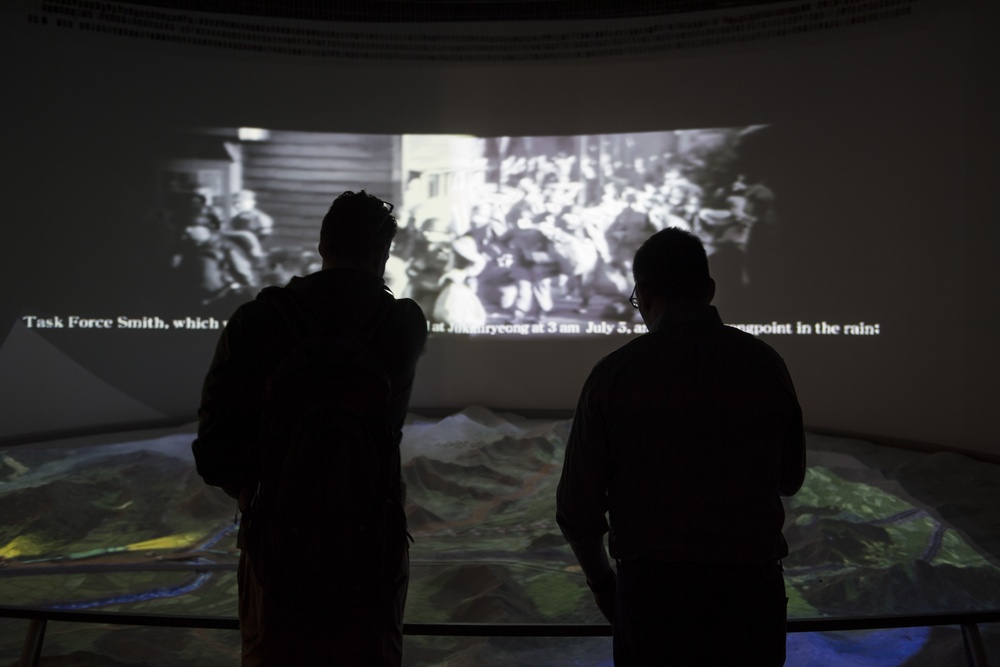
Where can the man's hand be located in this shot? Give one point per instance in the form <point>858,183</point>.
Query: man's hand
<point>604,594</point>
<point>245,498</point>
<point>243,495</point>
<point>601,578</point>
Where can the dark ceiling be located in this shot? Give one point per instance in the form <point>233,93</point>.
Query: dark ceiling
<point>405,11</point>
<point>426,29</point>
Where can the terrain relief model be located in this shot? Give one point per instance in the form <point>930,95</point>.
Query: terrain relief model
<point>128,526</point>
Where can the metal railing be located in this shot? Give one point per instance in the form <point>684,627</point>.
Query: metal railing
<point>38,618</point>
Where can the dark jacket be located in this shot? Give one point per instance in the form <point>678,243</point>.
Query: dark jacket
<point>260,334</point>
<point>685,437</point>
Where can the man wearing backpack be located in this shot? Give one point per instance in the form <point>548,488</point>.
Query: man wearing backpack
<point>300,420</point>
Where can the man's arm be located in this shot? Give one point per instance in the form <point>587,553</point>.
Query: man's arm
<point>581,499</point>
<point>229,415</point>
<point>402,343</point>
<point>793,448</point>
<point>601,579</point>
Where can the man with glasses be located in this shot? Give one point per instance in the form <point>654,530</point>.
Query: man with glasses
<point>302,377</point>
<point>682,442</point>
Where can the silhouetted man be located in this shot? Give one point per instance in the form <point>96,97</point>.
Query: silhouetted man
<point>347,297</point>
<point>685,437</point>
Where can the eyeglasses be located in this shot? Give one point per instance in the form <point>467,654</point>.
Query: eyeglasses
<point>388,214</point>
<point>633,299</point>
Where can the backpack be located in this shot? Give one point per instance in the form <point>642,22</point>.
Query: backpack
<point>322,514</point>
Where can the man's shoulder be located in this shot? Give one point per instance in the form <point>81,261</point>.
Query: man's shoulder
<point>257,310</point>
<point>360,300</point>
<point>624,356</point>
<point>408,320</point>
<point>408,309</point>
<point>304,299</point>
<point>654,343</point>
<point>738,337</point>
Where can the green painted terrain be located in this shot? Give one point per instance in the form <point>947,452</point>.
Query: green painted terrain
<point>130,527</point>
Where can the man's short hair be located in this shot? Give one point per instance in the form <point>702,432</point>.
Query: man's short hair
<point>358,226</point>
<point>673,264</point>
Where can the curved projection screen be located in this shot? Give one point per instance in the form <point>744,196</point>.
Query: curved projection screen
<point>155,187</point>
<point>499,236</point>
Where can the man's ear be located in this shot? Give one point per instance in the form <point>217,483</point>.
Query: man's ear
<point>650,304</point>
<point>646,296</point>
<point>710,293</point>
<point>378,266</point>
